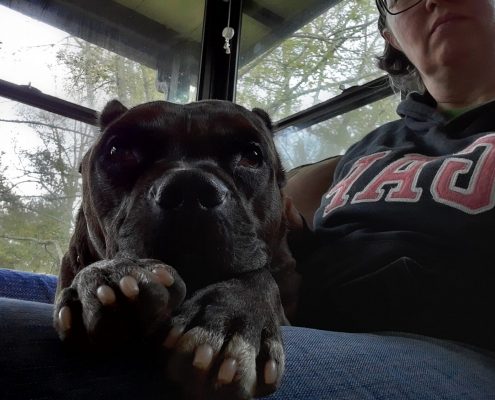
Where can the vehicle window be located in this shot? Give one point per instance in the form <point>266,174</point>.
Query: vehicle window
<point>88,58</point>
<point>292,55</point>
<point>334,136</point>
<point>40,185</point>
<point>133,51</point>
<point>286,72</point>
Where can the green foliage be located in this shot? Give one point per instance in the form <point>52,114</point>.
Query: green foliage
<point>96,73</point>
<point>39,204</point>
<point>35,222</point>
<point>32,236</point>
<point>335,51</point>
<point>40,194</point>
<point>334,136</point>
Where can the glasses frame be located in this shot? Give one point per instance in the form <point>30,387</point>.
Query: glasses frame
<point>383,4</point>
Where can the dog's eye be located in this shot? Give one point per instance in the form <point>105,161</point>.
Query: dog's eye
<point>123,156</point>
<point>251,156</point>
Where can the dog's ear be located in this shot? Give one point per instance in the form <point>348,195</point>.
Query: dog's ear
<point>264,117</point>
<point>113,110</point>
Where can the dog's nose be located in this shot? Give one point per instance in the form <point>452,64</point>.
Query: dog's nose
<point>188,189</point>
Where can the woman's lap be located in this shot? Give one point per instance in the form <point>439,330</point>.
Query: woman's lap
<point>320,365</point>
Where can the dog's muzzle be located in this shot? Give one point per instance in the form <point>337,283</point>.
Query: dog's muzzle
<point>189,190</point>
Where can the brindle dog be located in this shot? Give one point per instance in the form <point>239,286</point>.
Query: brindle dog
<point>178,196</point>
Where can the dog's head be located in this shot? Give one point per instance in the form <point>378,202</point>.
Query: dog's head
<point>197,186</point>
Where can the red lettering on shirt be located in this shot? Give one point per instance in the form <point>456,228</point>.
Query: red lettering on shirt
<point>338,193</point>
<point>479,195</point>
<point>403,174</point>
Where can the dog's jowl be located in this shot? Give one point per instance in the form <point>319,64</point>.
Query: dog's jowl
<point>180,243</point>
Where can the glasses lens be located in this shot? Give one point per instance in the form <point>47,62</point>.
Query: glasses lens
<point>398,6</point>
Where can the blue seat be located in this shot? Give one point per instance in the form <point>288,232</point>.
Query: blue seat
<point>27,286</point>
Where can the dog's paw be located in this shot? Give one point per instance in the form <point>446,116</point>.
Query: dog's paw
<point>113,301</point>
<point>225,346</point>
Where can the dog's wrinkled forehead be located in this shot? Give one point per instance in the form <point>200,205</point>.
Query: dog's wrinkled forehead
<point>211,118</point>
<point>162,131</point>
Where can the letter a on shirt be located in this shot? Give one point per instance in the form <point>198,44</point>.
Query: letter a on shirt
<point>338,193</point>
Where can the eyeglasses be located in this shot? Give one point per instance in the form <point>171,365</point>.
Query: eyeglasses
<point>395,7</point>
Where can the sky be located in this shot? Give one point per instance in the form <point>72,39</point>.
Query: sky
<point>29,56</point>
<point>26,58</point>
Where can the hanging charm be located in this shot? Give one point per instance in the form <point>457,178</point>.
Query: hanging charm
<point>227,33</point>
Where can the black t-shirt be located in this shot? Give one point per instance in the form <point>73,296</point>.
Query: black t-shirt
<point>405,232</point>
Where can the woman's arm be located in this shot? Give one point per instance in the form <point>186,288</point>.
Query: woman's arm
<point>307,184</point>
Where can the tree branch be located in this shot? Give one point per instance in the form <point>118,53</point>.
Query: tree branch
<point>44,124</point>
<point>41,242</point>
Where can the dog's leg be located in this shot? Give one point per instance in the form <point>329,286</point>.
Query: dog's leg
<point>226,341</point>
<point>111,302</point>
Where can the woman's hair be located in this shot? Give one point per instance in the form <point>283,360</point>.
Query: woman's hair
<point>403,74</point>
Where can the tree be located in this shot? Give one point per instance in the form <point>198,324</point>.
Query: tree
<point>39,199</point>
<point>335,51</point>
<point>39,222</point>
<point>39,196</point>
<point>97,75</point>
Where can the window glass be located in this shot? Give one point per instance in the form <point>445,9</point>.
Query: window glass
<point>293,55</point>
<point>133,51</point>
<point>40,185</point>
<point>86,53</point>
<point>290,62</point>
<point>333,137</point>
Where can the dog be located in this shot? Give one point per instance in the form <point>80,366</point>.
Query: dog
<point>180,241</point>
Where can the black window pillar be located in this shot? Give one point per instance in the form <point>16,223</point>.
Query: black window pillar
<point>218,71</point>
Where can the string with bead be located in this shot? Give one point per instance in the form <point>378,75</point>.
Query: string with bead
<point>228,32</point>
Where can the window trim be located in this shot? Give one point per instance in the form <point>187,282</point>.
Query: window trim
<point>350,99</point>
<point>218,70</point>
<point>217,79</point>
<point>31,96</point>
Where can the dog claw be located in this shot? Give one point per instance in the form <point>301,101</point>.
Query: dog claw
<point>270,372</point>
<point>164,276</point>
<point>106,295</point>
<point>173,336</point>
<point>203,357</point>
<point>227,371</point>
<point>65,319</point>
<point>129,287</point>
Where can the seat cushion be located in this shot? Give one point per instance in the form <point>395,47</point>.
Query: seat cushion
<point>27,286</point>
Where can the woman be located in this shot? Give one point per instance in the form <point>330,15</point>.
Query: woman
<point>388,240</point>
<point>405,231</point>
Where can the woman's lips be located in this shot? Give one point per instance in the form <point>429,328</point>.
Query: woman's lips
<point>445,19</point>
